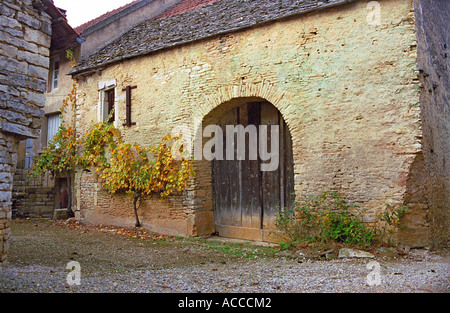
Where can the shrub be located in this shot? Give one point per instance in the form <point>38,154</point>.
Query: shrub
<point>391,223</point>
<point>323,218</point>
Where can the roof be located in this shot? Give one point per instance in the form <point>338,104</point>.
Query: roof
<point>216,18</point>
<point>184,6</point>
<point>181,7</point>
<point>62,33</point>
<point>103,17</point>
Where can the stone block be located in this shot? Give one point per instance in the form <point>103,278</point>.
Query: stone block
<point>15,117</point>
<point>28,20</point>
<point>8,22</point>
<point>8,50</point>
<point>37,71</point>
<point>60,214</point>
<point>13,65</point>
<point>6,177</point>
<point>34,59</point>
<point>37,37</point>
<point>354,253</point>
<point>5,11</point>
<point>14,32</point>
<point>46,28</point>
<point>19,42</point>
<point>18,130</point>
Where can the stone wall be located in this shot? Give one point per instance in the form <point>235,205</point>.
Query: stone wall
<point>346,88</point>
<point>433,39</point>
<point>25,32</point>
<point>8,159</point>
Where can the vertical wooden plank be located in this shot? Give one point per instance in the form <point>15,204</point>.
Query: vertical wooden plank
<point>250,200</point>
<point>270,180</point>
<point>235,177</point>
<point>227,202</point>
<point>220,188</point>
<point>215,190</point>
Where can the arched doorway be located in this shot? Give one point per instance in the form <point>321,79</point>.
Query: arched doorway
<point>247,192</point>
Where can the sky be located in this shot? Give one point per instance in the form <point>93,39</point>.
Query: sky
<point>82,11</point>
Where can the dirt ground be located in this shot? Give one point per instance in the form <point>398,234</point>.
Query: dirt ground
<point>116,260</point>
<point>101,248</point>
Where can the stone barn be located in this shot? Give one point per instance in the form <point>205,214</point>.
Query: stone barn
<point>356,89</point>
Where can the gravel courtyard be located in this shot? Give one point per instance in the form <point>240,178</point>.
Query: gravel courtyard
<point>112,260</point>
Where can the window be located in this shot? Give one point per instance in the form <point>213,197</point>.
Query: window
<point>53,123</point>
<point>110,98</point>
<point>55,74</point>
<point>107,102</point>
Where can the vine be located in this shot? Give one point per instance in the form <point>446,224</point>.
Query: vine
<point>60,155</point>
<point>121,167</point>
<point>133,169</point>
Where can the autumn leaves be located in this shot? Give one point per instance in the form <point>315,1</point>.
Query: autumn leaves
<point>121,167</point>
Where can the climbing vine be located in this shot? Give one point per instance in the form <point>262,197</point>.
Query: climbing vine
<point>129,168</point>
<point>121,167</point>
<point>60,155</point>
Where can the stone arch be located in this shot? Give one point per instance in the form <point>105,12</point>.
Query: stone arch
<point>226,94</point>
<point>208,111</point>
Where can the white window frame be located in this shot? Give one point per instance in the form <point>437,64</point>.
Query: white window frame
<point>54,82</point>
<point>102,106</point>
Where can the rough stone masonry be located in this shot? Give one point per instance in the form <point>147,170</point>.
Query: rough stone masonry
<point>25,38</point>
<point>349,91</point>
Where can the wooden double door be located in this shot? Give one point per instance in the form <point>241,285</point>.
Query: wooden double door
<point>246,198</point>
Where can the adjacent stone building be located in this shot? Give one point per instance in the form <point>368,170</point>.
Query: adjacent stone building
<point>40,197</point>
<point>28,31</point>
<point>358,88</point>
<point>25,37</point>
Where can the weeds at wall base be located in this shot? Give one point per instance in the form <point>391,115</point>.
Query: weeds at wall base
<point>326,219</point>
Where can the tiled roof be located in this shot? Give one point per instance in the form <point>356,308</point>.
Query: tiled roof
<point>184,6</point>
<point>218,17</point>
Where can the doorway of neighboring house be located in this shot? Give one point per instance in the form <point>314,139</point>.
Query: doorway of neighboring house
<point>245,198</point>
<point>63,195</point>
<point>62,209</point>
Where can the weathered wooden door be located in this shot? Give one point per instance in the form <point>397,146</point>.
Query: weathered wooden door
<point>246,199</point>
